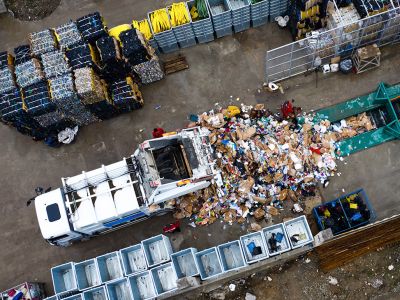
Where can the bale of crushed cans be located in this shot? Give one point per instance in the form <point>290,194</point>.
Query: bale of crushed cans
<point>89,86</point>
<point>42,42</point>
<point>55,64</point>
<point>29,73</point>
<point>67,34</point>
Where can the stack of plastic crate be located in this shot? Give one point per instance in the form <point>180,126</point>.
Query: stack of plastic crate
<point>278,8</point>
<point>184,33</point>
<point>240,14</point>
<point>221,16</point>
<point>166,39</point>
<point>202,25</point>
<point>259,11</point>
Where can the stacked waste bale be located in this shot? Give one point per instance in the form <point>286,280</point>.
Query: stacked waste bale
<point>64,96</point>
<point>29,72</point>
<point>126,95</point>
<point>91,27</point>
<point>13,113</point>
<point>42,42</point>
<point>81,55</point>
<point>22,54</point>
<point>7,78</point>
<point>55,64</point>
<point>39,105</point>
<point>141,56</point>
<point>93,93</point>
<point>67,35</point>
<point>113,65</point>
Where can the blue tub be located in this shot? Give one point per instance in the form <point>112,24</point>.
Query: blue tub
<point>276,239</point>
<point>110,267</point>
<point>142,286</point>
<point>87,274</point>
<point>184,263</point>
<point>254,247</point>
<point>133,259</point>
<point>231,256</point>
<point>97,293</point>
<point>157,250</point>
<point>164,278</point>
<point>208,263</point>
<point>64,278</point>
<point>74,297</point>
<point>119,290</point>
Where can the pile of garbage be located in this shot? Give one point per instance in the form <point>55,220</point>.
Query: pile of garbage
<point>265,159</point>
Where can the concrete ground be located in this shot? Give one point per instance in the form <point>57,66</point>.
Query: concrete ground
<point>220,71</point>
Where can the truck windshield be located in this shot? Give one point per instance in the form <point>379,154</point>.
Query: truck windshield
<point>53,212</point>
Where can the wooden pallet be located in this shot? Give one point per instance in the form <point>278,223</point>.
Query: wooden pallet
<point>176,64</point>
<point>345,247</point>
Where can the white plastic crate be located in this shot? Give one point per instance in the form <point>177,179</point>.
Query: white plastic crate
<point>276,233</point>
<point>254,247</point>
<point>208,263</point>
<point>133,259</point>
<point>64,278</point>
<point>157,250</point>
<point>231,256</point>
<point>298,231</point>
<point>142,286</point>
<point>184,263</point>
<point>110,267</point>
<point>164,278</point>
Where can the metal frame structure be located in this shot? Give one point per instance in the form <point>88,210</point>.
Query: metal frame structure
<point>300,56</point>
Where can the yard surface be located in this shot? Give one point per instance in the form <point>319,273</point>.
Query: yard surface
<point>228,70</point>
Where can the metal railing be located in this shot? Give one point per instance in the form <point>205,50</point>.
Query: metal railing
<point>300,56</point>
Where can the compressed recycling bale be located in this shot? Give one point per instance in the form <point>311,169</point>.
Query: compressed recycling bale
<point>63,95</point>
<point>37,99</point>
<point>22,54</point>
<point>108,49</point>
<point>89,86</point>
<point>149,71</point>
<point>55,64</point>
<point>81,55</point>
<point>103,110</point>
<point>133,48</point>
<point>50,120</point>
<point>6,60</point>
<point>42,42</point>
<point>91,27</point>
<point>126,95</point>
<point>28,73</point>
<point>67,34</point>
<point>7,80</point>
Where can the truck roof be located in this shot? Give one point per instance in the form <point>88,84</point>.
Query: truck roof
<point>103,194</point>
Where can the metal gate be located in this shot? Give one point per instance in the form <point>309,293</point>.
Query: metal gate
<point>300,56</point>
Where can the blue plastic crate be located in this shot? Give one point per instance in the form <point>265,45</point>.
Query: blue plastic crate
<point>231,256</point>
<point>164,278</point>
<point>184,263</point>
<point>203,29</point>
<point>64,278</point>
<point>157,250</point>
<point>119,290</point>
<point>74,297</point>
<point>133,259</point>
<point>110,267</point>
<point>87,274</point>
<point>240,14</point>
<point>184,33</point>
<point>259,22</point>
<point>224,15</point>
<point>142,286</point>
<point>249,244</point>
<point>208,263</point>
<point>282,242</point>
<point>97,293</point>
<point>341,219</point>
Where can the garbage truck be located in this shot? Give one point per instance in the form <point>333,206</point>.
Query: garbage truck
<point>128,191</point>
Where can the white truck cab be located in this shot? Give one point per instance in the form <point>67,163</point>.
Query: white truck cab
<point>128,191</point>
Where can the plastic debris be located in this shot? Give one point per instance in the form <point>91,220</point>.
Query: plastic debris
<point>250,297</point>
<point>332,280</point>
<point>232,287</point>
<point>391,267</point>
<point>67,135</point>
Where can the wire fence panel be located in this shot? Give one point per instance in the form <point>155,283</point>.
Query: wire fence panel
<point>302,56</point>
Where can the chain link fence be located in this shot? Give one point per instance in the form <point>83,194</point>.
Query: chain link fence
<point>299,57</point>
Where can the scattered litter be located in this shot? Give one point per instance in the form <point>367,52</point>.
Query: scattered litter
<point>307,261</point>
<point>333,280</point>
<point>67,135</point>
<point>157,106</point>
<point>250,297</point>
<point>376,283</point>
<point>269,279</point>
<point>192,224</point>
<point>391,267</point>
<point>232,287</point>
